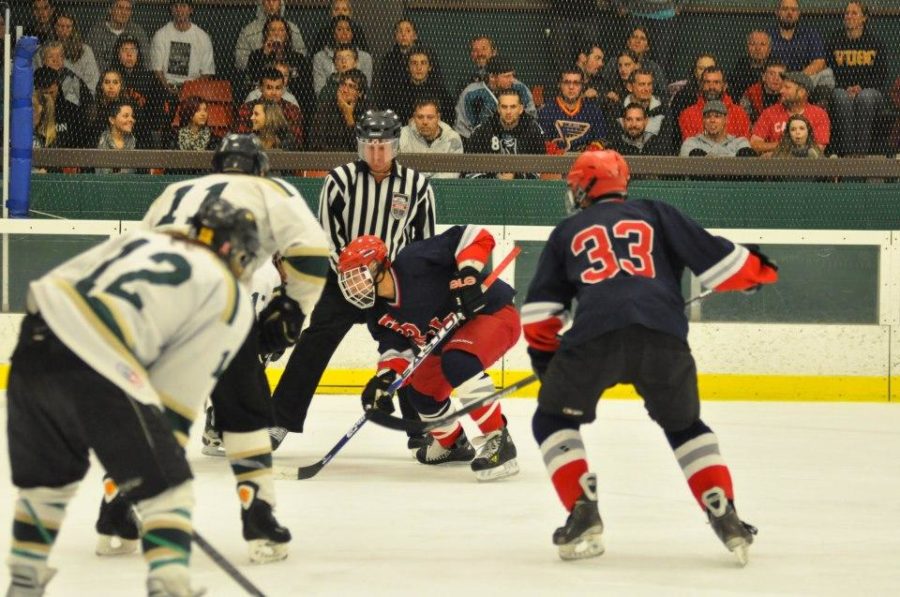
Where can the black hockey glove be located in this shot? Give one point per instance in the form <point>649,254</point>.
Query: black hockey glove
<point>279,324</point>
<point>465,288</point>
<point>754,249</point>
<point>375,394</point>
<point>540,360</point>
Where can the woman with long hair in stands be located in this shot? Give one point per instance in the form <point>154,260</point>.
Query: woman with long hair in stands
<point>194,134</point>
<point>144,88</point>
<point>78,55</point>
<point>271,127</point>
<point>119,134</point>
<point>798,140</point>
<point>323,62</point>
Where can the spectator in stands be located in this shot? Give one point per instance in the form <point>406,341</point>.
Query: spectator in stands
<point>801,48</point>
<point>268,123</point>
<point>590,63</point>
<point>73,87</point>
<point>393,68</point>
<point>194,134</point>
<point>659,119</point>
<point>41,25</point>
<point>252,36</point>
<point>689,93</point>
<point>339,8</point>
<point>278,47</point>
<point>750,66</point>
<point>633,138</point>
<point>119,134</point>
<point>766,92</point>
<point>481,50</point>
<point>346,58</point>
<point>110,90</point>
<point>106,32</point>
<point>144,87</point>
<point>77,55</point>
<point>478,102</point>
<point>43,118</point>
<point>800,140</point>
<point>334,124</point>
<point>857,57</point>
<point>770,126</point>
<point>714,87</point>
<point>659,19</point>
<point>343,34</point>
<point>427,133</point>
<point>638,42</point>
<point>419,84</point>
<point>510,131</point>
<point>70,130</point>
<point>714,140</point>
<point>626,63</point>
<point>271,87</point>
<point>181,50</point>
<point>256,92</point>
<point>570,123</point>
<point>573,25</point>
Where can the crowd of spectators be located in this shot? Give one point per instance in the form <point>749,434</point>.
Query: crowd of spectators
<point>793,91</point>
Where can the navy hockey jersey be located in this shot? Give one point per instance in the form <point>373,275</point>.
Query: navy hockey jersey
<point>621,263</point>
<point>422,303</point>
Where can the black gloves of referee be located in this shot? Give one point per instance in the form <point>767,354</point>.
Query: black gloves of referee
<point>465,288</point>
<point>375,394</point>
<point>279,324</point>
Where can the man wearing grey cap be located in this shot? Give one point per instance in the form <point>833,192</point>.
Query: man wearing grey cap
<point>770,126</point>
<point>478,101</point>
<point>715,141</point>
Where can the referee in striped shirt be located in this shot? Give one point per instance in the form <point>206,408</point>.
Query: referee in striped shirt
<point>372,195</point>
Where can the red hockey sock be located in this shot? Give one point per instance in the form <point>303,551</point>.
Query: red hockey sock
<point>446,436</point>
<point>565,459</point>
<point>704,467</point>
<point>488,418</point>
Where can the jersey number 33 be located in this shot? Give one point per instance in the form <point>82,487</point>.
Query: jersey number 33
<point>596,242</point>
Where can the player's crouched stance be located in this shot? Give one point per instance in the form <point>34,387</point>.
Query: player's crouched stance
<point>621,262</point>
<point>105,363</point>
<point>407,300</point>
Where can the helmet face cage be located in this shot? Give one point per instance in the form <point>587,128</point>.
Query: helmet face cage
<point>358,286</point>
<point>367,148</point>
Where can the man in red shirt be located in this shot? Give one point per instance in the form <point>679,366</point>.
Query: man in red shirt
<point>713,87</point>
<point>794,100</point>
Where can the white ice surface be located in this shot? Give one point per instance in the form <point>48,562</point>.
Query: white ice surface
<point>821,481</point>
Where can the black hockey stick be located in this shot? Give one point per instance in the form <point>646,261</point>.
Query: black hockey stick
<point>699,297</point>
<point>380,417</point>
<point>307,472</point>
<point>229,569</point>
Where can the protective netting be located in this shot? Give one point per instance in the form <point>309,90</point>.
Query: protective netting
<point>153,74</point>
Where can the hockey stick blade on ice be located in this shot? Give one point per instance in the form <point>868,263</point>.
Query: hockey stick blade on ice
<point>385,420</point>
<point>307,472</point>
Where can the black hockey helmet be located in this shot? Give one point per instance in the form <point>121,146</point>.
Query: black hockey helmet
<point>378,125</point>
<point>229,231</point>
<point>241,153</point>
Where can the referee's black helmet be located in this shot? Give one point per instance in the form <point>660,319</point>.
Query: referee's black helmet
<point>378,125</point>
<point>241,153</point>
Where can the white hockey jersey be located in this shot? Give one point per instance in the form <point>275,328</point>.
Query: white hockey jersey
<point>286,225</point>
<point>157,316</point>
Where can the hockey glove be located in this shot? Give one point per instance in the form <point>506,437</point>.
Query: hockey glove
<point>465,288</point>
<point>279,324</point>
<point>375,394</point>
<point>764,260</point>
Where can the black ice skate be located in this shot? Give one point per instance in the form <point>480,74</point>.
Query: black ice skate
<point>435,453</point>
<point>497,457</point>
<point>731,530</point>
<point>211,438</point>
<point>267,540</point>
<point>582,535</point>
<point>117,525</point>
<point>28,581</point>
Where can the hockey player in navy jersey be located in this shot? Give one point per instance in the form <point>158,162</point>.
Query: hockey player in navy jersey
<point>621,262</point>
<point>411,299</point>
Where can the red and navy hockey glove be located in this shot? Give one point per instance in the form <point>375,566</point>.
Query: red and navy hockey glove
<point>465,288</point>
<point>764,261</point>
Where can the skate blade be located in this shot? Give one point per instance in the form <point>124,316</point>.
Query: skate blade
<point>211,450</point>
<point>112,545</point>
<point>741,550</point>
<point>263,551</point>
<point>588,545</point>
<point>507,469</point>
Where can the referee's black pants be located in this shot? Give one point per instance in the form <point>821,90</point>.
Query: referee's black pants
<point>329,323</point>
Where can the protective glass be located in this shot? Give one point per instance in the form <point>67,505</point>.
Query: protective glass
<point>358,287</point>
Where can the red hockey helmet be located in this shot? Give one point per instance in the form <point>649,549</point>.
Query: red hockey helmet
<point>595,175</point>
<point>354,275</point>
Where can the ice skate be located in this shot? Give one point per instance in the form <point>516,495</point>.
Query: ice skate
<point>117,524</point>
<point>276,436</point>
<point>414,442</point>
<point>28,581</point>
<point>496,458</point>
<point>731,530</point>
<point>267,540</point>
<point>435,453</point>
<point>171,583</point>
<point>582,535</point>
<point>211,438</point>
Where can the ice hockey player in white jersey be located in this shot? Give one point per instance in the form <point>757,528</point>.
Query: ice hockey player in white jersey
<point>241,400</point>
<point>104,362</point>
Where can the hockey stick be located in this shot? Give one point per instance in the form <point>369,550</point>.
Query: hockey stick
<point>229,569</point>
<point>385,420</point>
<point>307,472</point>
<point>699,297</point>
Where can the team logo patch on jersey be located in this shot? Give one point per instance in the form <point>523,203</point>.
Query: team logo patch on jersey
<point>399,205</point>
<point>129,374</point>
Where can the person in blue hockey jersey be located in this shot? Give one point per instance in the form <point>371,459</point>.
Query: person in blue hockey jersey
<point>570,123</point>
<point>621,262</point>
<point>408,301</point>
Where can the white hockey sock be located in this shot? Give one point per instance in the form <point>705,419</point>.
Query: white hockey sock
<point>250,456</point>
<point>38,516</point>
